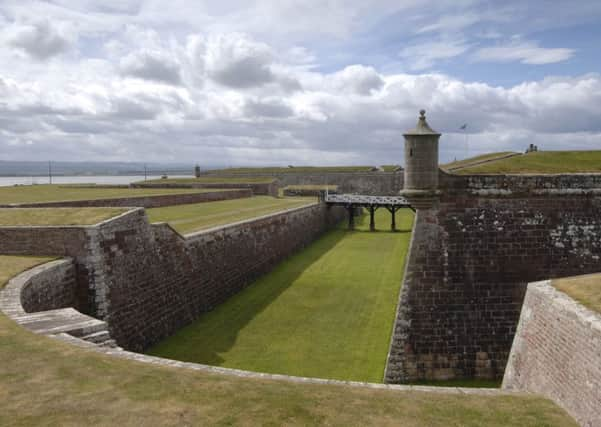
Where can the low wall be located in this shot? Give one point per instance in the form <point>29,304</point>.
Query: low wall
<point>557,353</point>
<point>471,257</point>
<point>53,286</point>
<point>145,201</point>
<point>258,189</point>
<point>148,281</point>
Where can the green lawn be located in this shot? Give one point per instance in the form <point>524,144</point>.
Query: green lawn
<point>325,312</point>
<point>198,216</point>
<point>56,216</point>
<point>294,169</point>
<point>55,193</point>
<point>211,180</point>
<point>390,168</point>
<point>542,162</point>
<point>585,289</point>
<point>11,265</point>
<point>45,382</point>
<point>476,159</point>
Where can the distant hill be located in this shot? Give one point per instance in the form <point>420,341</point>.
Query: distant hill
<point>540,162</point>
<point>290,169</point>
<point>31,168</point>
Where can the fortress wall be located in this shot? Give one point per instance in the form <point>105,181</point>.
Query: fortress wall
<point>146,202</point>
<point>147,281</point>
<point>470,260</point>
<point>50,286</point>
<point>556,353</point>
<point>156,281</point>
<point>258,189</point>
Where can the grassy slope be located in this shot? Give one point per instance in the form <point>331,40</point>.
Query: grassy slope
<point>44,382</point>
<point>56,216</point>
<point>53,193</point>
<point>466,162</point>
<point>295,169</point>
<point>193,217</point>
<point>12,265</point>
<point>211,180</point>
<point>326,312</point>
<point>584,289</point>
<point>390,168</point>
<point>542,162</point>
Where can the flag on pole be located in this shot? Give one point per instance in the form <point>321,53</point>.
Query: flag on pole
<point>464,126</point>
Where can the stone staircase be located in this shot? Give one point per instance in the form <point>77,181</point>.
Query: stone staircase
<point>68,321</point>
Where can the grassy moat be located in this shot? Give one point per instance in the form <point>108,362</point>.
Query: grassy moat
<point>325,312</point>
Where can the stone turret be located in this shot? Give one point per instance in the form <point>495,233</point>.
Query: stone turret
<point>421,164</point>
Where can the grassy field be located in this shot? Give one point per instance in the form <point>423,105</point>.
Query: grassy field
<point>585,289</point>
<point>542,162</point>
<point>390,168</point>
<point>476,159</point>
<point>45,382</point>
<point>12,265</point>
<point>198,216</point>
<point>56,216</point>
<point>211,180</point>
<point>55,193</point>
<point>325,312</point>
<point>295,169</point>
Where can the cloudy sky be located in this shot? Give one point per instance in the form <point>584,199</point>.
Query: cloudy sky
<point>278,82</point>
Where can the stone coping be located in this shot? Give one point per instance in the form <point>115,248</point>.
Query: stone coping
<point>10,305</point>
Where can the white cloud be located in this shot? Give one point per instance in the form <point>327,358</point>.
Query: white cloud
<point>40,40</point>
<point>151,65</point>
<point>425,55</point>
<point>524,52</point>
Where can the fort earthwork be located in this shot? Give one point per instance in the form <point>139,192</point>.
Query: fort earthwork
<point>477,242</point>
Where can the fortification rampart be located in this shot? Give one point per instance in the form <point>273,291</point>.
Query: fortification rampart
<point>257,188</point>
<point>147,281</point>
<point>472,254</point>
<point>144,202</point>
<point>556,353</point>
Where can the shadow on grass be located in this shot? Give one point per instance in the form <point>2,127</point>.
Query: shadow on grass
<point>216,331</point>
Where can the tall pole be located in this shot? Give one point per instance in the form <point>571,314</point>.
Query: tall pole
<point>145,172</point>
<point>49,171</point>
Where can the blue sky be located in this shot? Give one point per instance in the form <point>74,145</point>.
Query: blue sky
<point>294,82</point>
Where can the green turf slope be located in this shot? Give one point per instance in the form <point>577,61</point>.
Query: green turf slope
<point>541,162</point>
<point>325,312</point>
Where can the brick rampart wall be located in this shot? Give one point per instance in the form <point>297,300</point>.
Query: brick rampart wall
<point>471,257</point>
<point>148,281</point>
<point>54,286</point>
<point>145,202</point>
<point>258,189</point>
<point>556,353</point>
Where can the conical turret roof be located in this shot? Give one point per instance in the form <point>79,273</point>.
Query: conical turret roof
<point>422,127</point>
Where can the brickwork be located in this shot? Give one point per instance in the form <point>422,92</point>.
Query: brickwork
<point>470,260</point>
<point>145,202</point>
<point>147,281</point>
<point>556,352</point>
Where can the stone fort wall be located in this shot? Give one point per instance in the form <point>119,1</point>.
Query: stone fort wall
<point>472,255</point>
<point>556,353</point>
<point>147,281</point>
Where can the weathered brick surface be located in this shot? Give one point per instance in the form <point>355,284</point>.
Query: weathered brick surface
<point>557,353</point>
<point>52,287</point>
<point>145,202</point>
<point>147,281</point>
<point>470,260</point>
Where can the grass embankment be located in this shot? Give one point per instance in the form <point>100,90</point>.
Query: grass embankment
<point>476,159</point>
<point>390,168</point>
<point>541,162</point>
<point>60,193</point>
<point>198,216</point>
<point>295,169</point>
<point>211,180</point>
<point>326,312</point>
<point>11,265</point>
<point>585,289</point>
<point>56,216</point>
<point>45,382</point>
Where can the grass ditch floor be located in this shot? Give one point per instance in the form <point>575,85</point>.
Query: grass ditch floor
<point>199,216</point>
<point>63,193</point>
<point>326,312</point>
<point>46,382</point>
